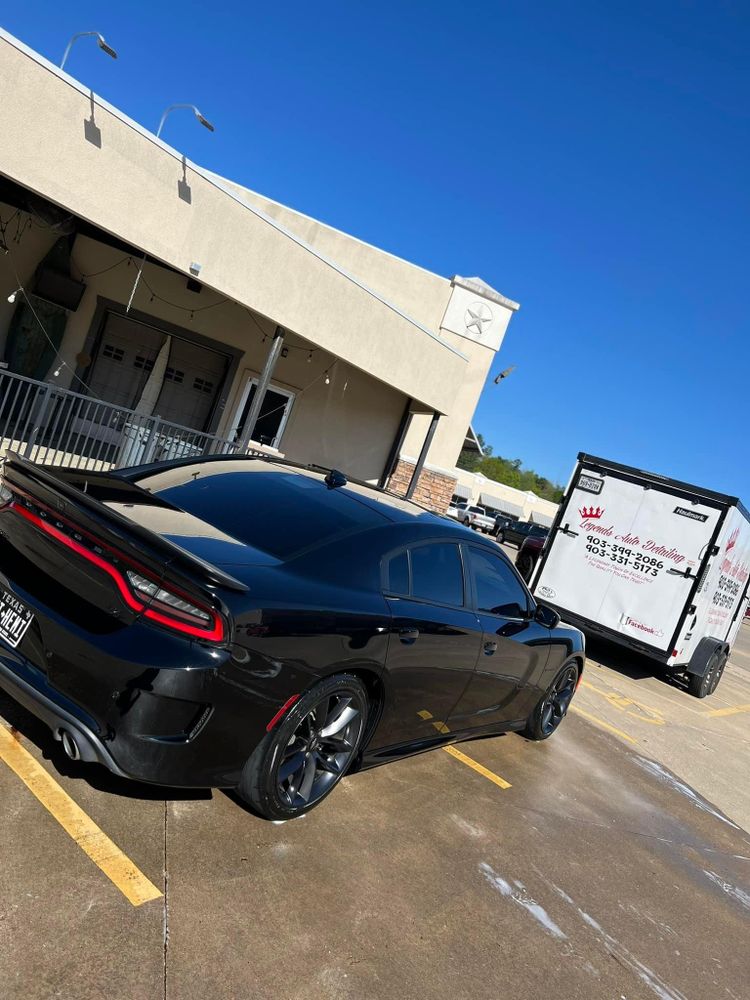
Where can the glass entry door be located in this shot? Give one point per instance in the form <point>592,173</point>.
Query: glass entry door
<point>274,413</point>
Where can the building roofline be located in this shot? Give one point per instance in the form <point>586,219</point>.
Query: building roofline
<point>218,182</point>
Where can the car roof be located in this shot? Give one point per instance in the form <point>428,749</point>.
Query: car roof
<point>170,479</point>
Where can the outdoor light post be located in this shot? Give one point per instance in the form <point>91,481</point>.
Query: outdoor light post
<point>204,121</point>
<point>99,41</point>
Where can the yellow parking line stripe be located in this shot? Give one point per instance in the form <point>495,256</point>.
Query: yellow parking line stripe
<point>602,724</point>
<point>716,712</point>
<point>424,714</point>
<point>479,768</point>
<point>105,854</point>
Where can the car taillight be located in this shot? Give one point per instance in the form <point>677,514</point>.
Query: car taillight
<point>167,601</point>
<point>141,594</point>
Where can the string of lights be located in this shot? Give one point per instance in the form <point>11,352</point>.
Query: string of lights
<point>62,364</point>
<point>154,295</point>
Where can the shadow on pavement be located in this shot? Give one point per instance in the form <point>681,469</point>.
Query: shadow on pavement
<point>630,664</point>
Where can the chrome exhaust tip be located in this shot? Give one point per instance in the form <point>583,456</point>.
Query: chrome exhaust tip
<point>69,745</point>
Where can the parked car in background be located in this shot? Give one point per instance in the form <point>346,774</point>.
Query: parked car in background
<point>517,531</point>
<point>476,517</point>
<point>158,629</point>
<point>502,521</point>
<point>453,510</point>
<point>528,555</point>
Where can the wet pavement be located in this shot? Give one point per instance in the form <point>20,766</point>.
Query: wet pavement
<point>616,866</point>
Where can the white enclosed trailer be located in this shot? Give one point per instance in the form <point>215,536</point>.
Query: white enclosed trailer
<point>650,563</point>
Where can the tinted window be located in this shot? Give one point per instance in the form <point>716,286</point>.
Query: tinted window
<point>436,574</point>
<point>538,531</point>
<point>397,574</point>
<point>498,591</point>
<point>280,512</point>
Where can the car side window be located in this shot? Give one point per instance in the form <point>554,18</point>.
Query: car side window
<point>497,589</point>
<point>397,574</point>
<point>437,573</point>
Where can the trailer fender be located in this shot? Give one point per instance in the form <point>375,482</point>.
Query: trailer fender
<point>703,652</point>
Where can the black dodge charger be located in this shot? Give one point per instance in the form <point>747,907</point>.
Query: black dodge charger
<point>240,623</point>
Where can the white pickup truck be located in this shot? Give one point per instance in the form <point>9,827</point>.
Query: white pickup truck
<point>475,517</point>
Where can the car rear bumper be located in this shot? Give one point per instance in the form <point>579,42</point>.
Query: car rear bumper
<point>28,686</point>
<point>131,741</point>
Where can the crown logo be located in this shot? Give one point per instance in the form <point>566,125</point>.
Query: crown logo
<point>733,539</point>
<point>591,513</point>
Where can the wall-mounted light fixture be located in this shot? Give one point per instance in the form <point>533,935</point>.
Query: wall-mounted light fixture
<point>172,107</point>
<point>99,41</point>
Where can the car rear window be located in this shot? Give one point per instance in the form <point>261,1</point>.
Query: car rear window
<point>279,512</point>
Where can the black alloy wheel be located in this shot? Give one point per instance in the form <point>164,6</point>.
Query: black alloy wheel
<point>296,765</point>
<point>553,707</point>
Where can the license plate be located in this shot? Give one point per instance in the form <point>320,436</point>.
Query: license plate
<point>15,618</point>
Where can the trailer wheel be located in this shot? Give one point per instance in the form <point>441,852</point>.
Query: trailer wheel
<point>701,687</point>
<point>525,565</point>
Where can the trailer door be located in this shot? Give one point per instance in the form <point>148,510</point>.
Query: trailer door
<point>626,555</point>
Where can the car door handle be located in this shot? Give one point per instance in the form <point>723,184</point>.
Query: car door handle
<point>408,635</point>
<point>490,648</point>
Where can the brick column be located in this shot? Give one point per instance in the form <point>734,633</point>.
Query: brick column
<point>434,489</point>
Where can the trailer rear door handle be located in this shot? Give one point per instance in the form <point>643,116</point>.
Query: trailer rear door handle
<point>679,572</point>
<point>566,531</point>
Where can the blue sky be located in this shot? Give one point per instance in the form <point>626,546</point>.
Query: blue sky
<point>588,160</point>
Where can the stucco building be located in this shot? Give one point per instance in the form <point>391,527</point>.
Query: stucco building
<point>165,291</point>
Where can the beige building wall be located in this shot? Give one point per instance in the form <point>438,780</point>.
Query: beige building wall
<point>350,421</point>
<point>396,330</point>
<point>421,294</point>
<point>129,185</point>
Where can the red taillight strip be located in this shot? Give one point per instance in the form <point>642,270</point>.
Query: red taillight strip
<point>287,705</point>
<point>81,550</point>
<point>215,634</point>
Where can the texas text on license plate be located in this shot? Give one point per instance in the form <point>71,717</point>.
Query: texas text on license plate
<point>14,619</point>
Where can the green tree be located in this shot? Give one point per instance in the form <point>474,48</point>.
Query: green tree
<point>470,459</point>
<point>510,472</point>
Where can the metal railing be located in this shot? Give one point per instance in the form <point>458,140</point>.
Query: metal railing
<point>58,426</point>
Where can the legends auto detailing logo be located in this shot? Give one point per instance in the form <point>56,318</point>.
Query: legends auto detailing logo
<point>591,513</point>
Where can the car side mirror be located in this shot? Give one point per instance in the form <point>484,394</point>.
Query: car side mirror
<point>546,616</point>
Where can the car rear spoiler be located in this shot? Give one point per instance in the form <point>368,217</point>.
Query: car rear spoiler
<point>88,512</point>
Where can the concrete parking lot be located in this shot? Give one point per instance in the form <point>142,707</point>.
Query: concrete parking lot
<point>611,861</point>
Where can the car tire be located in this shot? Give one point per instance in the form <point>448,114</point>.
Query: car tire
<point>525,565</point>
<point>552,708</point>
<point>500,537</point>
<point>300,762</point>
<point>701,687</point>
